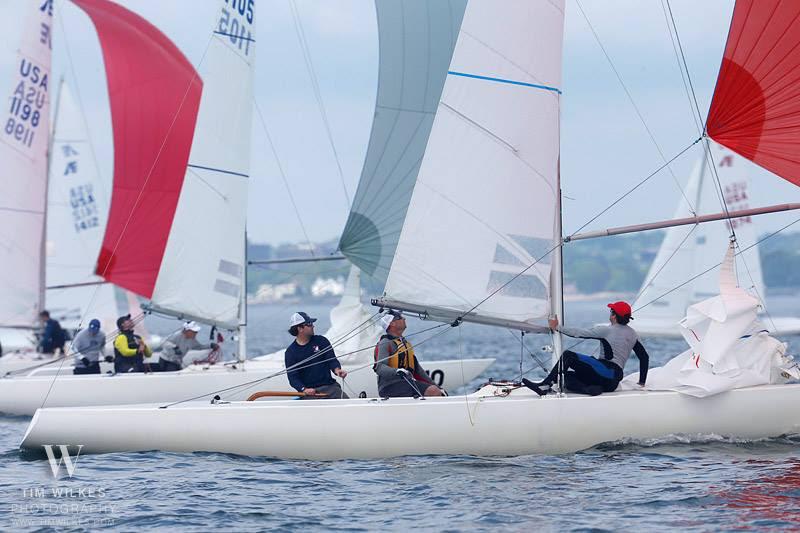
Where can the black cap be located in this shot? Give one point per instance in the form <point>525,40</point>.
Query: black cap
<point>122,319</point>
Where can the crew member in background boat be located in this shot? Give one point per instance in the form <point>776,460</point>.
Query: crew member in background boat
<point>310,359</point>
<point>53,336</point>
<point>585,374</point>
<point>130,350</point>
<point>399,371</point>
<point>88,349</point>
<point>178,345</point>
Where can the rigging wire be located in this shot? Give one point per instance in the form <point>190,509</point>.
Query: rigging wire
<point>301,36</point>
<point>635,107</point>
<point>698,124</point>
<point>718,264</point>
<point>283,176</point>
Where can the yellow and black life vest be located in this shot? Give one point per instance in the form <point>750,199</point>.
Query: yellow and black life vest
<point>403,357</point>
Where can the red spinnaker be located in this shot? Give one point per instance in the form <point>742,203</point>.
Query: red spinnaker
<point>155,95</point>
<point>756,107</point>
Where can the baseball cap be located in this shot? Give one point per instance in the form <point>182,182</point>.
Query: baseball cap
<point>621,308</point>
<point>300,318</point>
<point>94,324</point>
<point>122,319</point>
<point>390,317</point>
<point>191,326</point>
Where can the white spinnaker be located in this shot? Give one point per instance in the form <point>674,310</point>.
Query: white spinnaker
<point>202,269</point>
<point>23,180</point>
<point>666,292</point>
<point>484,205</point>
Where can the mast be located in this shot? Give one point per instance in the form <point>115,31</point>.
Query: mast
<point>242,329</point>
<point>557,274</point>
<point>43,262</point>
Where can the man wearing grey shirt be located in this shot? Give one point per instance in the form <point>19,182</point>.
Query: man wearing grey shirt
<point>589,375</point>
<point>88,349</point>
<point>178,345</point>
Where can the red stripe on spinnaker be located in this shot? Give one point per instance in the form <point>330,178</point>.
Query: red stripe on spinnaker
<point>155,95</point>
<point>756,106</point>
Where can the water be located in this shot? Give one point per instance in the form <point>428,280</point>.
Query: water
<point>698,484</point>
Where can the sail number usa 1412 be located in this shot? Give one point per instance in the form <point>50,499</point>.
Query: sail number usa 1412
<point>236,23</point>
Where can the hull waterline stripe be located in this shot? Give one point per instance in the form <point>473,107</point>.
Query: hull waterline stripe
<point>219,170</point>
<point>501,80</point>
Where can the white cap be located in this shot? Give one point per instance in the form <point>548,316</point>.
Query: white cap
<point>191,326</point>
<point>300,318</point>
<point>388,318</point>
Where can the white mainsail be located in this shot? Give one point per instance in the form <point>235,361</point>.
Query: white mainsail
<point>490,170</point>
<point>23,151</point>
<point>202,272</point>
<point>665,295</point>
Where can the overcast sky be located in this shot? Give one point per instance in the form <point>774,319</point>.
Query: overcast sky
<point>605,148</point>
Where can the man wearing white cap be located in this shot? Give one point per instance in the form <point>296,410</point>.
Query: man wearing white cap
<point>178,345</point>
<point>399,371</point>
<point>310,360</point>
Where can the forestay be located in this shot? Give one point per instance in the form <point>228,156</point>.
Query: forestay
<point>416,42</point>
<point>484,204</point>
<point>665,293</point>
<point>182,150</point>
<point>23,151</point>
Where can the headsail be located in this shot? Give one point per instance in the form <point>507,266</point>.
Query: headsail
<point>23,151</point>
<point>416,41</point>
<point>77,209</point>
<point>182,150</point>
<point>484,204</point>
<point>756,106</point>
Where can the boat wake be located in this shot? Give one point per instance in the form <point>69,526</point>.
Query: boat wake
<point>692,439</point>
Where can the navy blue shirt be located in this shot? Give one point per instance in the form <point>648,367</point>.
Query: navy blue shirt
<point>316,362</point>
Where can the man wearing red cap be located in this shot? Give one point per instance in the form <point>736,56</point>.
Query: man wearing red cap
<point>589,375</point>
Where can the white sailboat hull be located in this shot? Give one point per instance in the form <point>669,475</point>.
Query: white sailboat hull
<point>479,424</point>
<point>777,326</point>
<point>24,395</point>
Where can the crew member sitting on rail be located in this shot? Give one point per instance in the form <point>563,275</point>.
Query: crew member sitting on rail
<point>399,371</point>
<point>310,359</point>
<point>88,349</point>
<point>130,350</point>
<point>585,374</point>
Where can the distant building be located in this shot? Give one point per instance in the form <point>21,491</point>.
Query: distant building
<point>272,293</point>
<point>327,287</point>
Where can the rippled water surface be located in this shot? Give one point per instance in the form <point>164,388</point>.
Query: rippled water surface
<point>699,483</point>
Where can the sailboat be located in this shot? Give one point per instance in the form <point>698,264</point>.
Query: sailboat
<point>187,266</point>
<point>23,151</point>
<point>685,254</point>
<point>74,212</point>
<point>496,117</point>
